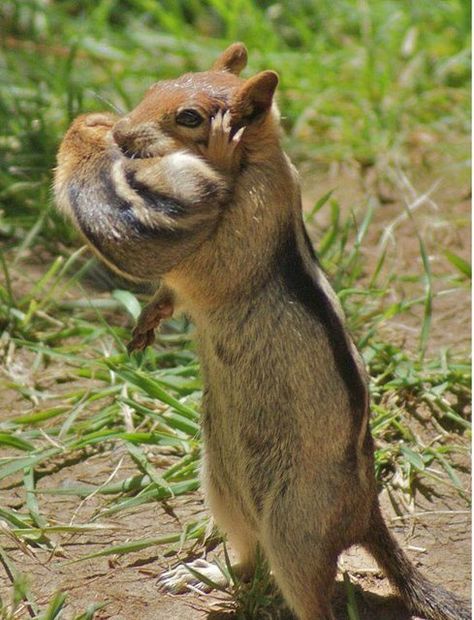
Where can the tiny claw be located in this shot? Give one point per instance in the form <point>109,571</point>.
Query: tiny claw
<point>141,340</point>
<point>238,134</point>
<point>226,121</point>
<point>217,118</point>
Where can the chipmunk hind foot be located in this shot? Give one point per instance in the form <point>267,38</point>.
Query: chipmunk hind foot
<point>198,575</point>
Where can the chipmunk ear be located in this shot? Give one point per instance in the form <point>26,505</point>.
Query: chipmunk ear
<point>233,59</point>
<point>255,97</point>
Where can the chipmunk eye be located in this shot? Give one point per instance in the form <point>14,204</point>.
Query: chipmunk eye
<point>189,118</point>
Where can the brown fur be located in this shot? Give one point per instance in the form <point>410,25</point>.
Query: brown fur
<point>288,456</point>
<point>129,208</point>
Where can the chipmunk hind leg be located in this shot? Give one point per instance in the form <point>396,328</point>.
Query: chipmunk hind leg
<point>233,523</point>
<point>231,520</point>
<point>301,547</point>
<point>305,577</point>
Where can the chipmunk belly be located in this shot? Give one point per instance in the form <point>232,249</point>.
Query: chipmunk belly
<point>276,409</point>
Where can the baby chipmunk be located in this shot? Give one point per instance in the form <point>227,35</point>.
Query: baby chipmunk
<point>192,188</point>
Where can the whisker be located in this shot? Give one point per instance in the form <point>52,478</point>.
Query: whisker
<point>107,102</point>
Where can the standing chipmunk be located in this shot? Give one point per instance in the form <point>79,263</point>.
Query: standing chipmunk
<point>214,210</point>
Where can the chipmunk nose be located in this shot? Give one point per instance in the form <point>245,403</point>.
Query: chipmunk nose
<point>124,135</point>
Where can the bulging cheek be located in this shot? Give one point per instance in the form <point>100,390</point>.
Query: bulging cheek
<point>149,144</point>
<point>145,139</point>
<point>160,145</point>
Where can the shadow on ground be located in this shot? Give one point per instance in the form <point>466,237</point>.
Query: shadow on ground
<point>370,606</point>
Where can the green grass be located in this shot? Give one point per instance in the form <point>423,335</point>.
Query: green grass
<point>369,85</point>
<point>23,601</point>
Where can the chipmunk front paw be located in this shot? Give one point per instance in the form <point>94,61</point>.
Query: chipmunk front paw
<point>152,314</point>
<point>221,150</point>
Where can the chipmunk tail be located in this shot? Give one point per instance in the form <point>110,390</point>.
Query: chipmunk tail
<point>420,596</point>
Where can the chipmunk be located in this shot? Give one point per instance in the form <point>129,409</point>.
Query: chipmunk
<point>288,462</point>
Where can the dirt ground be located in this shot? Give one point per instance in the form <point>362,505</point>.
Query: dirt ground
<point>435,534</point>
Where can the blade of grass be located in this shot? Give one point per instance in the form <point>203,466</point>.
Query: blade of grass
<point>461,265</point>
<point>193,532</point>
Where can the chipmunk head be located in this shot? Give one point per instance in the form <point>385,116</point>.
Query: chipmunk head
<point>176,114</point>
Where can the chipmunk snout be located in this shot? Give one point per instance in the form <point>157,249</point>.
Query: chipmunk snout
<point>125,137</point>
<point>139,141</point>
